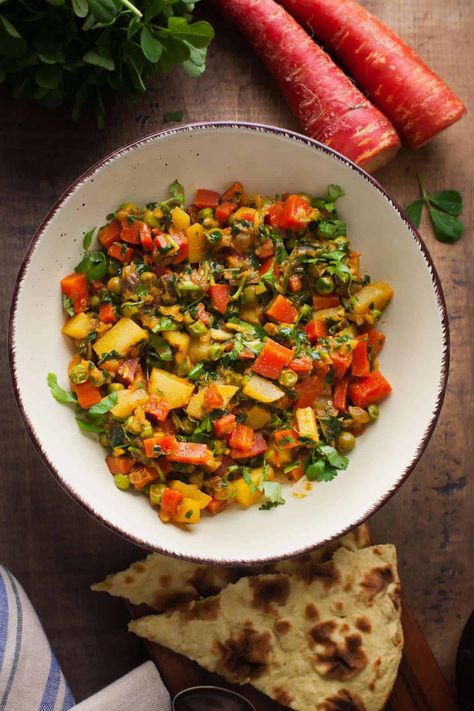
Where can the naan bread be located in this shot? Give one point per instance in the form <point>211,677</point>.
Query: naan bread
<point>161,582</point>
<point>330,641</point>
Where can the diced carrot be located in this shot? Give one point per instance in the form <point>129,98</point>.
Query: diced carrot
<point>206,198</point>
<point>360,360</point>
<point>234,194</point>
<point>340,394</point>
<point>224,425</point>
<point>215,506</point>
<point>87,394</point>
<point>190,453</point>
<point>160,444</point>
<point>295,282</point>
<point>119,465</point>
<point>183,247</point>
<point>258,447</point>
<point>110,233</point>
<point>325,302</point>
<point>296,213</point>
<point>170,502</point>
<point>341,362</point>
<point>302,365</point>
<point>309,389</point>
<point>376,339</point>
<point>107,313</point>
<point>212,398</point>
<point>224,211</point>
<point>145,237</point>
<point>265,250</point>
<point>367,391</point>
<point>74,287</point>
<point>131,232</point>
<point>282,310</point>
<point>272,359</point>
<point>286,439</point>
<point>274,214</point>
<point>157,408</point>
<point>220,296</point>
<point>316,329</point>
<point>242,437</point>
<point>121,253</point>
<point>142,476</point>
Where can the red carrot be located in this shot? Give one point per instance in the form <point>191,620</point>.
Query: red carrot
<point>401,85</point>
<point>327,104</point>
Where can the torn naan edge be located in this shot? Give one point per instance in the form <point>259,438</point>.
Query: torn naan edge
<point>163,583</point>
<point>329,642</point>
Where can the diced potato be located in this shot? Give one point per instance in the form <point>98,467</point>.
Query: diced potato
<point>376,295</point>
<point>337,313</point>
<point>180,341</point>
<point>80,325</point>
<point>257,417</point>
<point>199,348</point>
<point>127,401</point>
<point>180,218</point>
<point>175,391</point>
<point>306,423</point>
<point>191,491</point>
<point>197,243</point>
<point>189,512</point>
<point>250,314</point>
<point>350,331</point>
<point>243,213</point>
<point>262,390</point>
<point>285,456</point>
<point>121,337</point>
<point>245,494</point>
<point>195,407</point>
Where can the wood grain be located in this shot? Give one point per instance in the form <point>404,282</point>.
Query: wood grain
<point>53,547</point>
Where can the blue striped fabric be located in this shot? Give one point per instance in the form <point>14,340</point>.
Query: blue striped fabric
<point>30,676</point>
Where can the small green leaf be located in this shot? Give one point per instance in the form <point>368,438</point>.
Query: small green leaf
<point>106,404</point>
<point>449,201</point>
<point>48,75</point>
<point>199,34</point>
<point>151,47</point>
<point>447,228</point>
<point>90,426</point>
<point>153,8</point>
<point>98,60</point>
<point>171,116</point>
<point>93,265</point>
<point>414,211</point>
<point>339,461</point>
<point>315,470</point>
<point>80,7</point>
<point>59,394</point>
<point>86,242</point>
<point>104,11</point>
<point>272,491</point>
<point>11,29</point>
<point>334,193</point>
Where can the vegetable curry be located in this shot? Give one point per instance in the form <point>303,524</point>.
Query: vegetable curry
<point>223,348</point>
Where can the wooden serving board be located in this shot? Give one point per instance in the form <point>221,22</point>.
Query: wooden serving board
<point>420,685</point>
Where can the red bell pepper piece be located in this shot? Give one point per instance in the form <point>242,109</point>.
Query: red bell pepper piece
<point>164,444</point>
<point>241,437</point>
<point>360,360</point>
<point>110,233</point>
<point>310,388</point>
<point>295,282</point>
<point>119,465</point>
<point>215,506</point>
<point>233,194</point>
<point>341,363</point>
<point>87,394</point>
<point>190,453</point>
<point>220,296</point>
<point>170,502</point>
<point>212,398</point>
<point>206,198</point>
<point>274,214</point>
<point>282,310</point>
<point>131,232</point>
<point>74,287</point>
<point>302,365</point>
<point>224,211</point>
<point>145,237</point>
<point>259,446</point>
<point>296,213</point>
<point>265,250</point>
<point>272,359</point>
<point>107,313</point>
<point>267,266</point>
<point>315,330</point>
<point>369,390</point>
<point>340,394</point>
<point>224,425</point>
<point>325,302</point>
<point>121,252</point>
<point>286,439</point>
<point>157,408</point>
<point>376,339</point>
<point>183,251</point>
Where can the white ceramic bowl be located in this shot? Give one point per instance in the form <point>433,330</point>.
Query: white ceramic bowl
<point>414,359</point>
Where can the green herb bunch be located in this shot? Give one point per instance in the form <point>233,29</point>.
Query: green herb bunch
<point>77,51</point>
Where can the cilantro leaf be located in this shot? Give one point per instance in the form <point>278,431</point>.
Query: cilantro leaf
<point>90,426</point>
<point>67,305</point>
<point>86,242</point>
<point>93,265</point>
<point>339,461</point>
<point>334,193</point>
<point>272,492</point>
<point>106,404</point>
<point>62,396</point>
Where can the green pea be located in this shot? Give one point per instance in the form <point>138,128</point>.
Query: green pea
<point>206,218</point>
<point>373,412</point>
<point>146,430</point>
<point>115,387</point>
<point>305,312</point>
<point>288,378</point>
<point>216,351</point>
<point>95,302</point>
<point>249,295</point>
<point>151,219</point>
<point>122,481</point>
<point>346,441</point>
<point>376,314</point>
<point>79,374</point>
<point>113,285</point>
<point>325,285</point>
<point>156,492</point>
<point>104,440</point>
<point>149,279</point>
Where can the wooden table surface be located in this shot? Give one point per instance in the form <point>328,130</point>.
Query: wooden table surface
<point>49,543</point>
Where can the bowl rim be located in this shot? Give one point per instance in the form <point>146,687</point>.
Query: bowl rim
<point>257,128</point>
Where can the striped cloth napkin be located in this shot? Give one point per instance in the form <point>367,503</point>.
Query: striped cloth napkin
<point>31,678</point>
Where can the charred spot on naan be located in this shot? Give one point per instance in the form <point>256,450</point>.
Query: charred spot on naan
<point>282,627</point>
<point>207,609</point>
<point>376,581</point>
<point>334,658</point>
<point>363,624</point>
<point>282,696</point>
<point>211,580</point>
<point>245,655</point>
<point>269,591</point>
<point>342,701</point>
<point>311,611</point>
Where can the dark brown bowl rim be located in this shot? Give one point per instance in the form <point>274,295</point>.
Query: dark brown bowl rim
<point>259,128</point>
